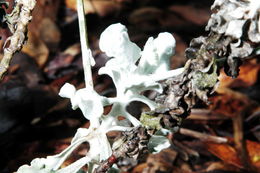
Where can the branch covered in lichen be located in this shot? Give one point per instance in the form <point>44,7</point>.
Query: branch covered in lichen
<point>17,22</point>
<point>224,46</point>
<point>207,55</point>
<point>232,39</point>
<point>132,145</point>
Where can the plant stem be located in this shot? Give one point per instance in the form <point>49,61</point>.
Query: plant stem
<point>202,136</point>
<point>239,140</point>
<point>86,54</point>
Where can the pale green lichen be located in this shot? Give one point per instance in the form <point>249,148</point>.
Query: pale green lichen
<point>151,121</point>
<point>204,80</point>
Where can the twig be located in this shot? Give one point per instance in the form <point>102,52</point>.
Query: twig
<point>239,140</point>
<point>18,21</point>
<point>203,136</point>
<point>132,144</point>
<point>86,53</point>
<point>185,149</point>
<point>204,114</point>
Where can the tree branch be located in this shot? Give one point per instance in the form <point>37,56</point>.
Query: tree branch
<point>17,22</point>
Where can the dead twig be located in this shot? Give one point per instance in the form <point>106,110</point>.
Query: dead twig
<point>132,144</point>
<point>239,140</point>
<point>205,115</point>
<point>203,136</point>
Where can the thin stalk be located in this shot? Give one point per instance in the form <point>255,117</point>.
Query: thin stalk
<point>202,136</point>
<point>240,142</point>
<point>86,54</point>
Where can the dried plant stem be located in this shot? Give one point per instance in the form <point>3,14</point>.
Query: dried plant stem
<point>133,145</point>
<point>84,44</point>
<point>202,136</point>
<point>18,21</point>
<point>239,140</point>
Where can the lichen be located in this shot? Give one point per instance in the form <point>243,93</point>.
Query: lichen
<point>204,80</point>
<point>151,121</point>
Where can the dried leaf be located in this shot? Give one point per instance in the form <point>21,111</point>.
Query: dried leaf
<point>36,48</point>
<point>229,155</point>
<point>214,166</point>
<point>162,162</point>
<point>62,60</point>
<point>43,23</point>
<point>140,168</point>
<point>49,32</point>
<point>254,153</point>
<point>225,152</point>
<point>44,9</point>
<point>229,102</point>
<point>102,8</point>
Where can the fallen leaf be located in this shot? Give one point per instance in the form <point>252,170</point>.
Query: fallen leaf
<point>229,103</point>
<point>43,21</point>
<point>59,82</point>
<point>73,50</point>
<point>49,33</point>
<point>254,152</point>
<point>228,154</point>
<point>36,48</point>
<point>139,168</point>
<point>102,8</point>
<point>43,9</point>
<point>161,162</point>
<point>225,152</point>
<point>44,35</point>
<point>214,166</point>
<point>62,60</point>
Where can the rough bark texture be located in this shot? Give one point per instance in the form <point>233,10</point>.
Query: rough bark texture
<point>129,148</point>
<point>17,22</point>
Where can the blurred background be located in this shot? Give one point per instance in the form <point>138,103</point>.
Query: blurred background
<point>36,122</point>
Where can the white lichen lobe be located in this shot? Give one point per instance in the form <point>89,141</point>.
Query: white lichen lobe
<point>132,71</point>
